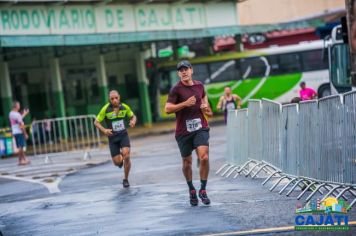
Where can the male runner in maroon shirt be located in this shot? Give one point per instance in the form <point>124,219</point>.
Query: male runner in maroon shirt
<point>187,99</point>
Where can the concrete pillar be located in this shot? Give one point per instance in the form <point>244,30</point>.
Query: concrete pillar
<point>143,89</point>
<point>5,90</point>
<point>102,79</point>
<point>57,87</point>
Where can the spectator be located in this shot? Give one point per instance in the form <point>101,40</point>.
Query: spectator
<point>306,93</point>
<point>19,131</point>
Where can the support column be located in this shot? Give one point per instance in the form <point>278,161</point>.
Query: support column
<point>57,87</point>
<point>143,90</point>
<point>102,79</point>
<point>6,92</point>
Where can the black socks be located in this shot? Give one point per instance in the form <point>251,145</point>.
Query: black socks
<point>190,184</point>
<point>203,184</point>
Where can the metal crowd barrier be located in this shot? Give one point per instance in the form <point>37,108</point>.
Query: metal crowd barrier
<point>310,145</point>
<point>75,134</point>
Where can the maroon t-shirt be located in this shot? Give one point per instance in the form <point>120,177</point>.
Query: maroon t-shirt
<point>189,119</point>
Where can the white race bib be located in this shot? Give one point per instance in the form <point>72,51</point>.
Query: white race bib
<point>118,125</point>
<point>230,106</point>
<point>193,125</point>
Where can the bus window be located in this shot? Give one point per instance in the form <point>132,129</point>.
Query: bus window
<point>314,60</point>
<point>224,71</point>
<point>253,67</point>
<point>200,72</point>
<point>274,64</point>
<point>289,63</point>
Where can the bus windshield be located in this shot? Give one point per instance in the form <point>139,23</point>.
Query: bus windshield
<point>340,67</point>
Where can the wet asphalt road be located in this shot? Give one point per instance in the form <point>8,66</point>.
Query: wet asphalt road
<point>93,202</point>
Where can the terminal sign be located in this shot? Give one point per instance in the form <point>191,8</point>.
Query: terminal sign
<point>70,19</point>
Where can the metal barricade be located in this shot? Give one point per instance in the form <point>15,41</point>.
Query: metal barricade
<point>67,134</point>
<point>290,139</point>
<point>349,137</point>
<point>231,135</point>
<point>331,139</point>
<point>241,134</point>
<point>271,132</point>
<point>310,146</point>
<point>254,136</point>
<point>309,141</point>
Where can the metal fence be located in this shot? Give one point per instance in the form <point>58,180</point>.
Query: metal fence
<point>313,141</point>
<point>62,135</point>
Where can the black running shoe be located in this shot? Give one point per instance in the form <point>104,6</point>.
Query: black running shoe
<point>204,197</point>
<point>193,198</point>
<point>125,183</point>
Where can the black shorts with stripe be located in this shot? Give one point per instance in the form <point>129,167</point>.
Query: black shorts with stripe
<point>117,142</point>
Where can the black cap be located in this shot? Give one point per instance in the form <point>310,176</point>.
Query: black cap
<point>184,63</point>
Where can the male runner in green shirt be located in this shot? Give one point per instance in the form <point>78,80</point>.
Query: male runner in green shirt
<point>114,114</point>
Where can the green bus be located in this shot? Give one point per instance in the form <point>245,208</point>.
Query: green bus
<point>272,73</point>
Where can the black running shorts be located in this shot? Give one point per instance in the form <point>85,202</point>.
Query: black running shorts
<point>187,143</point>
<point>117,142</point>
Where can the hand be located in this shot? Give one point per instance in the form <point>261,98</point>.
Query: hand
<point>132,123</point>
<point>26,136</point>
<point>191,101</point>
<point>26,111</point>
<point>204,106</point>
<point>108,132</point>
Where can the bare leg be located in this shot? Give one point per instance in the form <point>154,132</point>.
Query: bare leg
<point>22,158</point>
<point>117,160</point>
<point>187,168</point>
<point>127,162</point>
<point>203,155</point>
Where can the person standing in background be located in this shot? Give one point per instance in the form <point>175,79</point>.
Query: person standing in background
<point>228,102</point>
<point>306,93</point>
<point>19,131</point>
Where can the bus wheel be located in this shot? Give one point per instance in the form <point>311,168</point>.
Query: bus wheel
<point>324,90</point>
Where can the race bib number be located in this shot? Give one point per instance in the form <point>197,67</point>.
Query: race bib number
<point>230,106</point>
<point>193,125</point>
<point>118,125</point>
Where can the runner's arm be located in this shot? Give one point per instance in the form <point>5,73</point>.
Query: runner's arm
<point>238,100</point>
<point>133,121</point>
<point>172,108</point>
<point>102,128</point>
<point>206,107</point>
<point>218,106</point>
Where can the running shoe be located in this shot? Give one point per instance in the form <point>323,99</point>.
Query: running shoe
<point>193,198</point>
<point>125,183</point>
<point>204,197</point>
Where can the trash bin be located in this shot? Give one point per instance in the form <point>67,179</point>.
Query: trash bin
<point>2,146</point>
<point>8,145</point>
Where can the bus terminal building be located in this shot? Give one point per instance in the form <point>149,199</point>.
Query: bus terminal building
<point>60,58</point>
